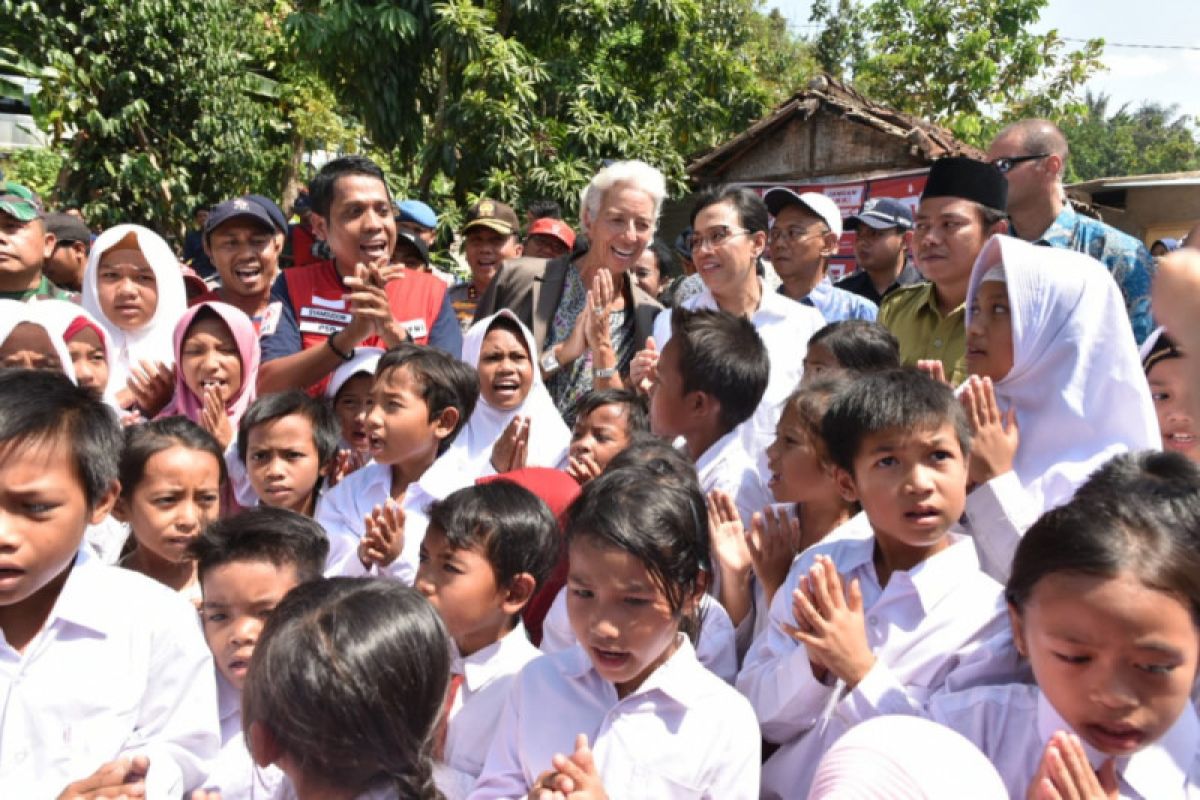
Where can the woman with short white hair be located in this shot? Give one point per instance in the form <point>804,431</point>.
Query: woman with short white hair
<point>587,314</point>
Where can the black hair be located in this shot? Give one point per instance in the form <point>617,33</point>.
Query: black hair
<point>445,382</point>
<point>637,416</point>
<point>655,514</point>
<point>349,677</point>
<point>44,407</point>
<point>647,450</point>
<point>859,345</point>
<point>903,399</point>
<point>1140,512</point>
<point>544,209</point>
<point>322,188</point>
<point>142,442</point>
<point>751,210</point>
<point>990,216</point>
<point>664,255</point>
<point>264,533</point>
<point>277,405</point>
<point>810,403</point>
<point>721,355</point>
<point>507,523</point>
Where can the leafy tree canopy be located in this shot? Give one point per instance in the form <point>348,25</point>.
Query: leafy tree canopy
<point>1128,141</point>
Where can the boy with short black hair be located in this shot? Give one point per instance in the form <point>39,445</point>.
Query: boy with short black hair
<point>487,550</point>
<point>286,442</point>
<point>873,625</point>
<point>107,682</point>
<point>375,518</point>
<point>710,379</point>
<point>246,565</point>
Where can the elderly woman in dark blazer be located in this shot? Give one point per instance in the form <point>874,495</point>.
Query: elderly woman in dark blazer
<point>587,314</point>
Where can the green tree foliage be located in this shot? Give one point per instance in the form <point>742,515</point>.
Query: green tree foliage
<point>520,99</point>
<point>962,63</point>
<point>35,167</point>
<point>151,103</point>
<point>1151,138</point>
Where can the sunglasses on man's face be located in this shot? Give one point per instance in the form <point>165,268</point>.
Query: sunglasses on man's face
<point>1006,163</point>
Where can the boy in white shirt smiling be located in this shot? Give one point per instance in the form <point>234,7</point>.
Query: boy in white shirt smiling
<point>487,549</point>
<point>868,621</point>
<point>106,682</point>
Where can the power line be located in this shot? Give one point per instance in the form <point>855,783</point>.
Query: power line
<point>1138,46</point>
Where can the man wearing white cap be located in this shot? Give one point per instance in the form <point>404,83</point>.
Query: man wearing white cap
<point>802,240</point>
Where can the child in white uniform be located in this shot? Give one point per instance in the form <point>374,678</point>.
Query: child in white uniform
<point>862,622</point>
<point>1104,604</point>
<point>486,552</point>
<point>629,711</point>
<point>106,682</point>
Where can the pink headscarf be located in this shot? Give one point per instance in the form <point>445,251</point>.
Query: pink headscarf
<point>186,402</point>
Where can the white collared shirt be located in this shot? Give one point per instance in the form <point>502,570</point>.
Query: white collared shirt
<point>919,627</point>
<point>487,676</point>
<point>342,509</point>
<point>726,465</point>
<point>785,327</point>
<point>234,772</point>
<point>684,733</point>
<point>1012,725</point>
<point>716,648</point>
<point>119,669</point>
<point>998,514</point>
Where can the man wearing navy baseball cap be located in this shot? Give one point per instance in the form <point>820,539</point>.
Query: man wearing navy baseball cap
<point>243,239</point>
<point>883,237</point>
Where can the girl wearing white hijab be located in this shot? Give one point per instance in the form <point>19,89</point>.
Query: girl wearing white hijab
<point>1047,328</point>
<point>905,758</point>
<point>502,349</point>
<point>133,286</point>
<point>29,339</point>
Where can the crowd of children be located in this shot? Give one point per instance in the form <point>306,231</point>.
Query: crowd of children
<point>775,562</point>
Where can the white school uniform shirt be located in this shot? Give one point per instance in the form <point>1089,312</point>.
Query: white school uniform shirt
<point>684,733</point>
<point>1076,382</point>
<point>785,327</point>
<point>477,708</point>
<point>341,510</point>
<point>919,627</point>
<point>119,669</point>
<point>726,465</point>
<point>1012,725</point>
<point>716,648</point>
<point>234,772</point>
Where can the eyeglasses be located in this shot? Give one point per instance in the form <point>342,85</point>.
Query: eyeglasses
<point>1006,163</point>
<point>794,235</point>
<point>715,237</point>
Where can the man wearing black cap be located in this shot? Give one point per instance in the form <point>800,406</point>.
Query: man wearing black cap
<point>243,239</point>
<point>72,242</point>
<point>961,208</point>
<point>883,237</point>
<point>492,234</point>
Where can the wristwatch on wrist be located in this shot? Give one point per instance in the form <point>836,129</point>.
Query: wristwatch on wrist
<point>549,362</point>
<point>603,373</point>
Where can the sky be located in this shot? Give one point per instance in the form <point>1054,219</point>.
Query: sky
<point>1171,77</point>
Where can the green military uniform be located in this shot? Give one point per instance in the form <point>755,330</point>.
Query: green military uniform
<point>911,314</point>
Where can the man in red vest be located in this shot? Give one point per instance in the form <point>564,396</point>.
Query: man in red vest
<point>358,298</point>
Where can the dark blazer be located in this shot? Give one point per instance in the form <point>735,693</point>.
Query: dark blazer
<point>532,287</point>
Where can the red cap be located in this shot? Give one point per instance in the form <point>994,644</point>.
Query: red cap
<point>553,227</point>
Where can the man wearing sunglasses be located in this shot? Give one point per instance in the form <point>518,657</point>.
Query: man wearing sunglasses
<point>1032,154</point>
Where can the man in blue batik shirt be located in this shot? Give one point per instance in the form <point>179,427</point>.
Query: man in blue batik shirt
<point>1032,154</point>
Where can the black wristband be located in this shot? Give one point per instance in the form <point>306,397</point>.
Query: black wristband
<point>337,352</point>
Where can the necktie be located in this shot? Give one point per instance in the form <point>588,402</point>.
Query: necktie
<point>443,728</point>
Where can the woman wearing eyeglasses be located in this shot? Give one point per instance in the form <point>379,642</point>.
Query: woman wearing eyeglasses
<point>588,316</point>
<point>729,235</point>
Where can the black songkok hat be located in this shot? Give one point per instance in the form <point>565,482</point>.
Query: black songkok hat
<point>958,176</point>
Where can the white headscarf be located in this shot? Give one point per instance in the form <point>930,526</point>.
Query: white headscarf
<point>59,316</point>
<point>153,341</point>
<point>905,758</point>
<point>14,313</point>
<point>1076,380</point>
<point>469,456</point>
<point>365,359</point>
